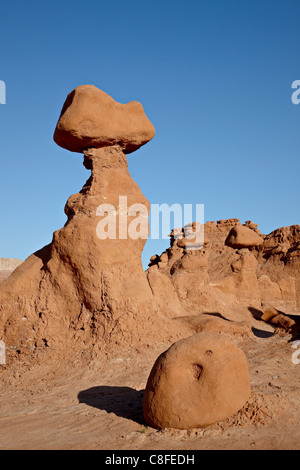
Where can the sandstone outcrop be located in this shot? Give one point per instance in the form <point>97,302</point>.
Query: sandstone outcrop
<point>82,289</point>
<point>255,271</point>
<point>92,119</point>
<point>279,259</point>
<point>199,381</point>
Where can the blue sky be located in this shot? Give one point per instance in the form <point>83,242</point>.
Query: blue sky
<point>214,77</point>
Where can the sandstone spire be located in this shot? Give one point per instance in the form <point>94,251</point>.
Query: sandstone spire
<point>80,287</point>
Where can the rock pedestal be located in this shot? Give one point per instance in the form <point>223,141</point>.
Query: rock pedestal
<point>88,286</point>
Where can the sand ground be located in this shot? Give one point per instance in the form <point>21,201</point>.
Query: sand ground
<point>98,404</point>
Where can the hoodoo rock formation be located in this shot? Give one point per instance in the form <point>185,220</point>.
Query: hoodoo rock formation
<point>242,236</point>
<point>80,287</point>
<point>87,290</point>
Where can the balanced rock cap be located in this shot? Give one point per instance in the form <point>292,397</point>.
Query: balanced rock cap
<point>243,237</point>
<point>90,118</point>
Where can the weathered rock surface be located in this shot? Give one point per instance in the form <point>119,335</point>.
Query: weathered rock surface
<point>199,381</point>
<point>81,290</point>
<point>280,320</point>
<point>255,272</point>
<point>243,237</point>
<point>92,119</point>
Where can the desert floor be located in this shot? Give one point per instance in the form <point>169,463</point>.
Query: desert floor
<point>98,404</point>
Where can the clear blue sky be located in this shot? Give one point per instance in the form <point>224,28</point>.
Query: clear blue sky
<point>214,77</point>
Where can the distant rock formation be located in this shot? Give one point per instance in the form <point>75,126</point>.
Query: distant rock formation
<point>237,267</point>
<point>7,267</point>
<point>243,237</point>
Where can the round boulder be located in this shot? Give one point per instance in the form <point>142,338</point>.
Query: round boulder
<point>243,237</point>
<point>198,381</point>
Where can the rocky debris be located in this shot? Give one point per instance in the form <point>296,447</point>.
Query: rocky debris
<point>7,267</point>
<point>198,381</point>
<point>92,119</point>
<point>242,236</point>
<point>279,319</point>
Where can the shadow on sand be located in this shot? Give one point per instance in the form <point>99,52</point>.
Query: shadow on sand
<point>122,401</point>
<point>257,314</point>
